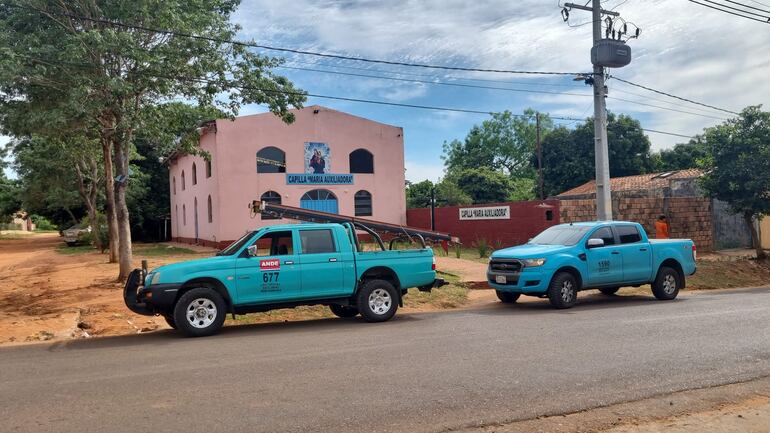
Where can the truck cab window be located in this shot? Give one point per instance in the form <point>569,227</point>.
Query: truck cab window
<point>628,234</point>
<point>605,234</point>
<point>317,241</point>
<point>275,244</point>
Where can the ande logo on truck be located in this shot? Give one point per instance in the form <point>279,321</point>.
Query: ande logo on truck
<point>269,265</point>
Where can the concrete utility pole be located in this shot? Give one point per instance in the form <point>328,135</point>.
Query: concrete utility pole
<point>603,197</point>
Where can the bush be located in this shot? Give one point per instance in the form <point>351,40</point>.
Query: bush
<point>10,226</point>
<point>482,246</point>
<point>458,250</point>
<point>43,223</point>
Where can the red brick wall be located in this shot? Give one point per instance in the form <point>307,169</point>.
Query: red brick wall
<point>688,217</point>
<point>527,220</point>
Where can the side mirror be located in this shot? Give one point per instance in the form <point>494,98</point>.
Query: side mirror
<point>595,243</point>
<point>251,250</point>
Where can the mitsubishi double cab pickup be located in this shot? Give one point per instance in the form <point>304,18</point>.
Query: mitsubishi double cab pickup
<point>283,266</point>
<point>567,258</point>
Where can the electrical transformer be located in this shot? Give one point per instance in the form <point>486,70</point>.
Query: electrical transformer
<point>610,53</point>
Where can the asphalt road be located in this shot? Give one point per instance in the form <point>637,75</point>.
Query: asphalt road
<point>418,372</point>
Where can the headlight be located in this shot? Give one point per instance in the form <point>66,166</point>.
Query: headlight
<point>155,278</point>
<point>533,262</point>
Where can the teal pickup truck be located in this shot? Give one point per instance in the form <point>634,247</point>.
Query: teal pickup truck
<point>283,266</point>
<point>567,258</point>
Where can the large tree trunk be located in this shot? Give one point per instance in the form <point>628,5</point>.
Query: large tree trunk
<point>109,193</point>
<point>125,255</point>
<point>749,218</point>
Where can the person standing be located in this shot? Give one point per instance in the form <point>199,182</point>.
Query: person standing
<point>661,228</point>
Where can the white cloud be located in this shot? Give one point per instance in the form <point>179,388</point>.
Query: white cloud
<point>684,48</point>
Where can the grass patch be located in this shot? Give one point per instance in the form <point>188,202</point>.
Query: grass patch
<point>471,254</point>
<point>160,250</point>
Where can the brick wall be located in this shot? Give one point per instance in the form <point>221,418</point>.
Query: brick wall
<point>688,217</point>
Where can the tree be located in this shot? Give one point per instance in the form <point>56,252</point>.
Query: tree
<point>568,155</point>
<point>483,185</point>
<point>506,143</point>
<point>65,61</point>
<point>447,193</point>
<point>737,166</point>
<point>682,156</point>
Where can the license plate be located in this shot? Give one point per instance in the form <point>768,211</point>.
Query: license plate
<point>500,279</point>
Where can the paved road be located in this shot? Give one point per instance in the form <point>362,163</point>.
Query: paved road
<point>419,372</point>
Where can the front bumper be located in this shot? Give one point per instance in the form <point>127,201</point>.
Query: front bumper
<point>148,301</point>
<point>527,280</point>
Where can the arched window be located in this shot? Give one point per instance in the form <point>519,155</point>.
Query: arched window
<point>363,203</point>
<point>361,161</point>
<point>211,214</point>
<point>194,174</point>
<point>173,184</point>
<point>271,160</point>
<point>184,215</point>
<point>271,197</point>
<point>182,180</point>
<point>208,168</point>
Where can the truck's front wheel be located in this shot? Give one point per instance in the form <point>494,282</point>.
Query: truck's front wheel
<point>563,290</point>
<point>377,301</point>
<point>343,311</point>
<point>200,312</point>
<point>667,284</point>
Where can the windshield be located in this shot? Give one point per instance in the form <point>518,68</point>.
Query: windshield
<point>237,245</point>
<point>561,235</point>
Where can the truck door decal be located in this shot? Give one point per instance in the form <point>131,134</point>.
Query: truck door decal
<point>269,265</point>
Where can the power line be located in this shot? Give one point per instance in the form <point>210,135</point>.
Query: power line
<point>665,108</point>
<point>671,95</point>
<point>737,9</point>
<point>731,13</point>
<point>667,133</point>
<point>441,83</point>
<point>290,50</point>
<point>748,7</point>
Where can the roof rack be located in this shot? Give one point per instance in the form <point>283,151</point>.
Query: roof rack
<point>309,215</point>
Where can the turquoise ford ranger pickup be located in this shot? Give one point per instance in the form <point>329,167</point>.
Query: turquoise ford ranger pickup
<point>567,258</point>
<point>283,266</point>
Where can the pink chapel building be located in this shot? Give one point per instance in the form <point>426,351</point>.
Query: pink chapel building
<point>326,160</point>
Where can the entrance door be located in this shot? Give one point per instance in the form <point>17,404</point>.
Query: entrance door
<point>321,200</point>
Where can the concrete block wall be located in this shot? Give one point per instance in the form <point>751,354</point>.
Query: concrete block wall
<point>688,217</point>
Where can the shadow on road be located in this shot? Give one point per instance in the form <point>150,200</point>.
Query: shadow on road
<point>586,302</point>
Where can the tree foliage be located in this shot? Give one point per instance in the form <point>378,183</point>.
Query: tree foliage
<point>737,166</point>
<point>483,185</point>
<point>447,193</point>
<point>568,155</point>
<point>682,156</point>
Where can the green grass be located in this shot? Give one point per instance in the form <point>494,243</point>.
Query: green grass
<point>465,253</point>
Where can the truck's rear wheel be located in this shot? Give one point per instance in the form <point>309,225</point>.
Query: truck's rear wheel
<point>344,311</point>
<point>377,301</point>
<point>609,290</point>
<point>507,297</point>
<point>562,292</point>
<point>200,312</point>
<point>667,284</point>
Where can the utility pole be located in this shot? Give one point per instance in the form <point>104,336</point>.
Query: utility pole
<point>539,158</point>
<point>601,151</point>
<point>433,208</point>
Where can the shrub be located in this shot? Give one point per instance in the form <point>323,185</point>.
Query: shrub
<point>458,250</point>
<point>482,246</point>
<point>43,223</point>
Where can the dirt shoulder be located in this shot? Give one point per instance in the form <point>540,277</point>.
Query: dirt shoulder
<point>740,407</point>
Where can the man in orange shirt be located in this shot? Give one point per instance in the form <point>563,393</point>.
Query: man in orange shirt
<point>661,228</point>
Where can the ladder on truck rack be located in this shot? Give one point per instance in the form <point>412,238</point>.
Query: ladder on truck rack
<point>369,226</point>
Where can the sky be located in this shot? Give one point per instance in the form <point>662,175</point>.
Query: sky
<point>684,48</point>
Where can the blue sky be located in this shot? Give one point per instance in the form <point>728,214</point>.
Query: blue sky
<point>684,48</point>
